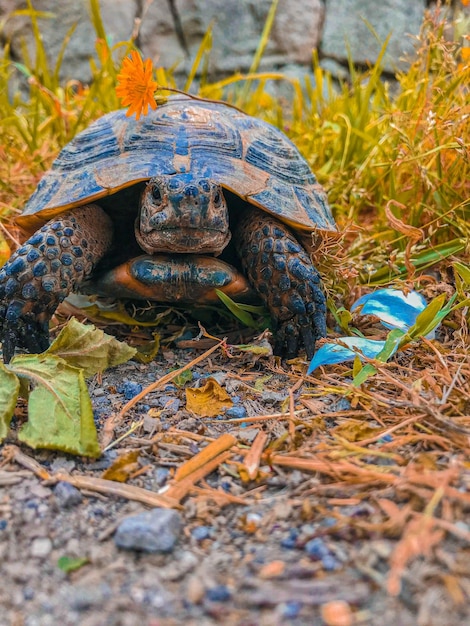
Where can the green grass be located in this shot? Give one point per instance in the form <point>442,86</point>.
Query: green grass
<point>395,160</point>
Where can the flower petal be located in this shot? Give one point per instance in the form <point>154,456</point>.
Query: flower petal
<point>136,87</point>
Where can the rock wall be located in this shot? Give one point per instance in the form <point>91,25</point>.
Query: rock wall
<point>170,31</point>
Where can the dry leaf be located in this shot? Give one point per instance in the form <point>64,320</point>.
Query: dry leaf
<point>207,401</point>
<point>125,465</point>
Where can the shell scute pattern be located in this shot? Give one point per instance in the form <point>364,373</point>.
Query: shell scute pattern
<point>246,155</point>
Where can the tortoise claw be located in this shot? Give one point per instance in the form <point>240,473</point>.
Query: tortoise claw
<point>22,332</point>
<point>294,333</point>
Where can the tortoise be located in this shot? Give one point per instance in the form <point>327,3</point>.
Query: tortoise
<point>193,197</point>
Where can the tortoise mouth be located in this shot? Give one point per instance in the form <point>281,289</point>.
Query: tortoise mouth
<point>179,240</point>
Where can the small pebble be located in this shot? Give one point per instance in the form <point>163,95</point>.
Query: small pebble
<point>316,549</point>
<point>161,475</point>
<point>226,485</point>
<point>342,404</point>
<point>337,613</point>
<point>199,533</point>
<point>61,464</point>
<point>236,412</point>
<point>170,387</point>
<point>290,542</point>
<point>330,563</point>
<point>329,522</point>
<point>272,570</point>
<point>253,520</point>
<point>28,593</point>
<point>290,610</point>
<point>130,389</point>
<point>67,495</point>
<point>84,597</point>
<point>41,547</point>
<point>195,589</point>
<point>152,531</point>
<point>169,403</point>
<point>3,524</point>
<point>461,525</point>
<point>220,593</point>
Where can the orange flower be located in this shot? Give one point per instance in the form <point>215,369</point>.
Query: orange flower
<point>136,88</point>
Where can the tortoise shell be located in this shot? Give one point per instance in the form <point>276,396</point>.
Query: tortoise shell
<point>247,156</point>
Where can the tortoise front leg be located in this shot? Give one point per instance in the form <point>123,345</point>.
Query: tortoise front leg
<point>281,271</point>
<point>44,270</point>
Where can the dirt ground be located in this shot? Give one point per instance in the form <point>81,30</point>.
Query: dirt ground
<point>283,526</point>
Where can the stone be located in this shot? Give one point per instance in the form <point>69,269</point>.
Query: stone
<point>350,20</point>
<point>41,547</point>
<point>67,495</point>
<point>173,41</point>
<point>56,22</point>
<point>152,531</point>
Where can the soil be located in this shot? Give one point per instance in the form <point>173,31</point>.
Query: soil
<point>284,547</point>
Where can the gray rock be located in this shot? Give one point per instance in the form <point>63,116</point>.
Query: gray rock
<point>236,32</point>
<point>349,21</point>
<point>237,25</point>
<point>83,597</point>
<point>55,22</point>
<point>152,531</point>
<point>67,495</point>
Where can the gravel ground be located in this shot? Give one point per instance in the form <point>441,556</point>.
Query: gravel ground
<point>266,552</point>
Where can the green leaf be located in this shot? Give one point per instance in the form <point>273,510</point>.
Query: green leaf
<point>60,415</point>
<point>394,338</point>
<point>9,388</point>
<point>343,318</point>
<point>366,372</point>
<point>422,260</point>
<point>146,352</point>
<point>262,348</point>
<point>87,347</point>
<point>70,564</point>
<point>183,378</point>
<point>462,276</point>
<point>239,310</point>
<point>357,366</point>
<point>428,319</point>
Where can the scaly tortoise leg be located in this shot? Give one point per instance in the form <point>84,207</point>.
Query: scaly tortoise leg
<point>281,271</point>
<point>44,270</point>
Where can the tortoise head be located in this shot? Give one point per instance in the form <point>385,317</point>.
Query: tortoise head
<point>182,213</point>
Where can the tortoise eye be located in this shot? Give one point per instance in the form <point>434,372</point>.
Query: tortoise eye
<point>217,198</point>
<point>156,194</point>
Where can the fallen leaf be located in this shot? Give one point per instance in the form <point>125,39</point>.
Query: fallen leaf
<point>121,469</point>
<point>209,400</point>
<point>9,388</point>
<point>87,347</point>
<point>60,415</point>
<point>70,564</point>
